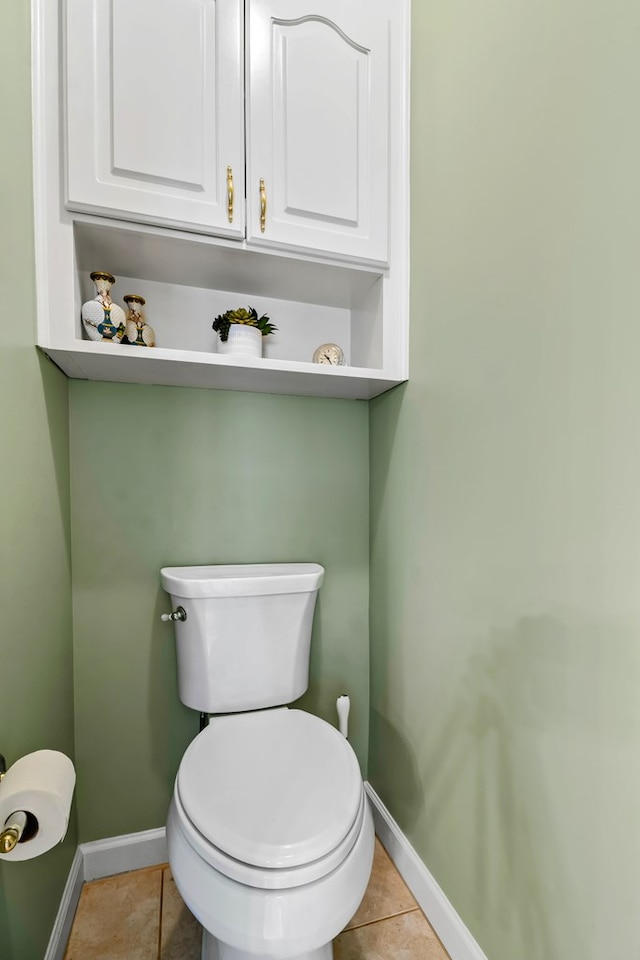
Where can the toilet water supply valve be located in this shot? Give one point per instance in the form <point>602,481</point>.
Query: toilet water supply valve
<point>178,614</point>
<point>343,705</point>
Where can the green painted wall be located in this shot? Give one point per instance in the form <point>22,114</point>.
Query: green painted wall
<point>163,476</point>
<point>505,481</point>
<point>505,514</point>
<point>36,695</point>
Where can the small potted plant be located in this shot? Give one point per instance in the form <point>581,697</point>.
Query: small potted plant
<point>240,331</point>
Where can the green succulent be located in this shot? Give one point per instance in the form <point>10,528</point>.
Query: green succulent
<point>248,317</point>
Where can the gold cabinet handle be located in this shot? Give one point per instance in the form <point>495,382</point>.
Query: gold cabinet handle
<point>230,194</point>
<point>263,206</point>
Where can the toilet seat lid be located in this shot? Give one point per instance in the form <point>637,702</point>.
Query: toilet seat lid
<point>277,788</point>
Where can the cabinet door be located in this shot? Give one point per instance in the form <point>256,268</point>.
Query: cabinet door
<point>155,109</point>
<point>317,127</point>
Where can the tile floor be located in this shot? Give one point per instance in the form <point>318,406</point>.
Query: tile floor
<point>140,916</point>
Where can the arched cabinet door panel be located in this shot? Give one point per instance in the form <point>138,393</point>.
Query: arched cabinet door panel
<point>318,127</point>
<point>148,135</point>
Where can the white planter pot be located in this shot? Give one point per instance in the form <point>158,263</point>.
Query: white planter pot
<point>243,341</point>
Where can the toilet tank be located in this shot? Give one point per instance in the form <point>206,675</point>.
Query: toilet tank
<point>246,638</point>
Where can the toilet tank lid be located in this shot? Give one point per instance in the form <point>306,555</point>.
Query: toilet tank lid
<point>242,579</point>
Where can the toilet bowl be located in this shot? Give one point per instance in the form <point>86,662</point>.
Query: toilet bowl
<point>270,835</point>
<point>269,831</point>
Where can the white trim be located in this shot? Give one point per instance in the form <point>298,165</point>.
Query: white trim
<point>455,937</point>
<point>102,858</point>
<point>66,910</point>
<point>131,851</point>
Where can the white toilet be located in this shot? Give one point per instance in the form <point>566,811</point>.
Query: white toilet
<point>270,834</point>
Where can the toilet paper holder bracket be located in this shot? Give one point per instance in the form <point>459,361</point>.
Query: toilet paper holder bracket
<point>18,825</point>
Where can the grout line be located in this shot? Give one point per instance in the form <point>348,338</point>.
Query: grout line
<point>369,923</point>
<point>161,906</point>
<point>402,913</point>
<point>444,949</point>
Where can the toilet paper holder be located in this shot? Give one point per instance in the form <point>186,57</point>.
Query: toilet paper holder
<point>15,824</point>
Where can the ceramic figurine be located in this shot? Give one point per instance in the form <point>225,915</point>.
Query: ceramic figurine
<point>137,330</point>
<point>103,319</point>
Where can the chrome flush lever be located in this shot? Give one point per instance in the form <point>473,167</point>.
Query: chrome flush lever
<point>178,614</point>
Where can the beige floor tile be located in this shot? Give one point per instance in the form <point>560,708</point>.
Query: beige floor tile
<point>118,918</point>
<point>180,932</point>
<point>406,937</point>
<point>387,893</point>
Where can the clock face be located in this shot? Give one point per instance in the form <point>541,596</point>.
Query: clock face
<point>329,353</point>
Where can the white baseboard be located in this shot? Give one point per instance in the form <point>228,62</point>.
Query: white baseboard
<point>102,858</point>
<point>131,851</point>
<point>66,910</point>
<point>455,937</point>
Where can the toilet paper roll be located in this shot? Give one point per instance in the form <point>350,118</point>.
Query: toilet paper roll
<point>42,785</point>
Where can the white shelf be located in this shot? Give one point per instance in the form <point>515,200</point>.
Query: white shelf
<point>184,368</point>
<point>187,279</point>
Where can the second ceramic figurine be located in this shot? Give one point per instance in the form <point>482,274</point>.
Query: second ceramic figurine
<point>103,319</point>
<point>137,330</point>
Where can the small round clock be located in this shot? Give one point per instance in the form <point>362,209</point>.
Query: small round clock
<point>329,353</point>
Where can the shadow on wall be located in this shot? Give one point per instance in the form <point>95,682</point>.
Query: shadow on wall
<point>481,748</point>
<point>312,699</point>
<point>394,771</point>
<point>173,724</point>
<point>57,411</point>
<point>332,671</point>
<point>526,788</point>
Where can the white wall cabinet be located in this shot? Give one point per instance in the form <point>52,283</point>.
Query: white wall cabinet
<point>155,100</point>
<point>141,108</point>
<point>156,119</point>
<point>318,126</point>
